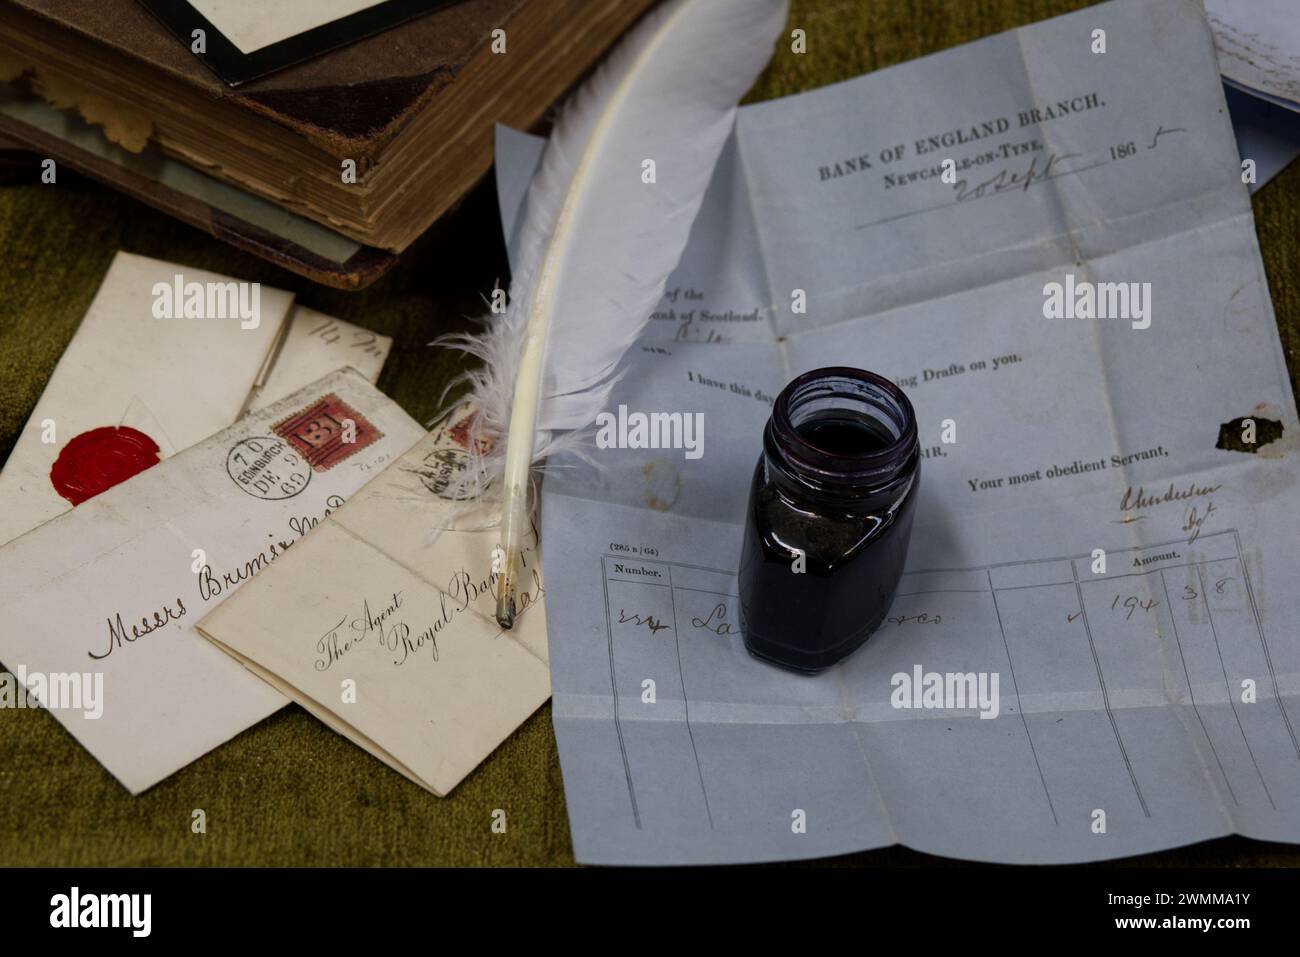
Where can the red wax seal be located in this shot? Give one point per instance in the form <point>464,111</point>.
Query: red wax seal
<point>99,459</point>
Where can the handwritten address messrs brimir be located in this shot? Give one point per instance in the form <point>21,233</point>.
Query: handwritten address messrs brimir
<point>211,583</point>
<point>381,622</point>
<point>122,579</point>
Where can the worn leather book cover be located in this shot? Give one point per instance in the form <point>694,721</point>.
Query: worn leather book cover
<point>413,107</point>
<point>353,97</point>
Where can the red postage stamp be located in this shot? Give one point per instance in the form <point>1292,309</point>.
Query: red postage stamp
<point>327,432</point>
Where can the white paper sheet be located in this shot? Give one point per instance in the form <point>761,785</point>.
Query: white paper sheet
<point>251,25</point>
<point>315,346</point>
<point>1267,134</point>
<point>1259,46</point>
<point>176,381</point>
<point>113,589</point>
<point>1149,705</point>
<point>386,631</point>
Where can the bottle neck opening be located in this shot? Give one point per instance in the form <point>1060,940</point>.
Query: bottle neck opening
<point>842,434</point>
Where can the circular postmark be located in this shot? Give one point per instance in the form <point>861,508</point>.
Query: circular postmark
<point>267,467</point>
<point>442,472</point>
<point>446,469</point>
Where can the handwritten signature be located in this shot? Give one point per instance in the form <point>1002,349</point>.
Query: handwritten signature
<point>1195,519</point>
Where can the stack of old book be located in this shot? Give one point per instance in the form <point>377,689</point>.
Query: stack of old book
<point>228,116</point>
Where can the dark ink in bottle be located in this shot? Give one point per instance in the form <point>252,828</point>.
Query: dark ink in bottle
<point>829,517</point>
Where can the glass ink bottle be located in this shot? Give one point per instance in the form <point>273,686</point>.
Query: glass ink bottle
<point>829,517</point>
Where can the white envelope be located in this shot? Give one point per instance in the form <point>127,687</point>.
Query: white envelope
<point>115,586</point>
<point>385,629</point>
<point>173,382</point>
<point>316,345</point>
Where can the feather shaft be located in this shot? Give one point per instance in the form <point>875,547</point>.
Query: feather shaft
<point>670,90</point>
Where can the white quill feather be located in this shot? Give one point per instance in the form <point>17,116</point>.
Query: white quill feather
<point>598,242</point>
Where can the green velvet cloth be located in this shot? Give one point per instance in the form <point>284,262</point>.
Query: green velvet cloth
<point>289,791</point>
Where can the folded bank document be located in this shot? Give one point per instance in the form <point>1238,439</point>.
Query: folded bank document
<point>102,600</point>
<point>1093,652</point>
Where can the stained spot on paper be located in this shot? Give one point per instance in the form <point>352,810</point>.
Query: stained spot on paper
<point>1230,434</point>
<point>663,485</point>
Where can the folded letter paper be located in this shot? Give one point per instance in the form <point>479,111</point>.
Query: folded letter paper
<point>116,585</point>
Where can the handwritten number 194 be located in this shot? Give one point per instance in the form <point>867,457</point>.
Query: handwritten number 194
<point>1133,603</point>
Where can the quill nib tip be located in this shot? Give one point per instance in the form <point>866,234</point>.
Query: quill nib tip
<point>508,573</point>
<point>506,607</point>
